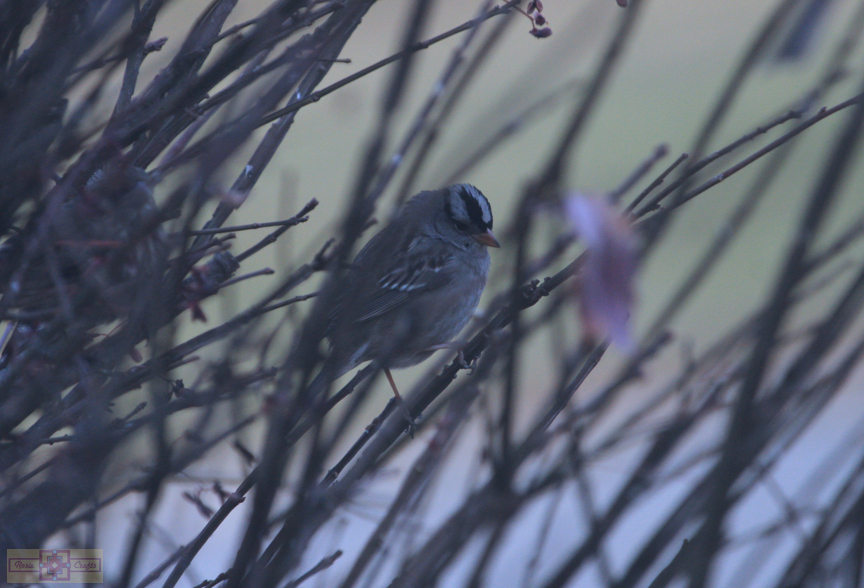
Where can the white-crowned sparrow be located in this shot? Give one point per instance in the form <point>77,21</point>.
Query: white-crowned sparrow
<point>416,283</point>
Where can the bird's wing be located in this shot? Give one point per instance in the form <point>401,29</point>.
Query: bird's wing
<point>421,269</point>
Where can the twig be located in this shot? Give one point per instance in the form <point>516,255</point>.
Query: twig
<point>272,237</point>
<point>659,153</point>
<point>316,96</point>
<point>675,566</point>
<point>215,581</point>
<point>727,468</point>
<point>150,47</point>
<point>804,125</point>
<point>238,496</point>
<point>262,272</point>
<point>694,167</point>
<point>656,183</point>
<point>319,567</point>
<point>510,127</point>
<point>252,226</point>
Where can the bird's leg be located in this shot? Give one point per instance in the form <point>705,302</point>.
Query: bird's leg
<point>393,385</point>
<point>411,424</point>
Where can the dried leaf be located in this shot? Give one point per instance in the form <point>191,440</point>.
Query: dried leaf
<point>606,282</point>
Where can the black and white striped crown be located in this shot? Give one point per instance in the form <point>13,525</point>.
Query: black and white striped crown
<point>467,204</point>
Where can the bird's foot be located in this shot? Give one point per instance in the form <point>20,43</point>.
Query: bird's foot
<point>471,366</point>
<point>412,422</point>
<point>458,346</point>
<point>412,425</point>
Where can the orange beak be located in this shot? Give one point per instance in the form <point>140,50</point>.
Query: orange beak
<point>487,239</point>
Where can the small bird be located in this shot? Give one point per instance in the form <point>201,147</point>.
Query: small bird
<point>415,284</point>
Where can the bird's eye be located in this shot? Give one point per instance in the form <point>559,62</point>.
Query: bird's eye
<point>460,226</point>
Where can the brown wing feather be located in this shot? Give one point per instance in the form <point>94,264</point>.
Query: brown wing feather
<point>420,273</point>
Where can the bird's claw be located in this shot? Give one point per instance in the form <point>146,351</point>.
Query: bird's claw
<point>412,423</point>
<point>465,365</point>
